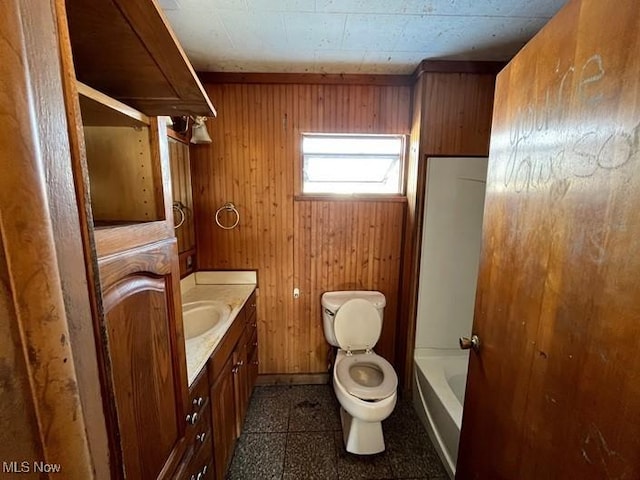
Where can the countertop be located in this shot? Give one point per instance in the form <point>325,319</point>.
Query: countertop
<point>200,348</point>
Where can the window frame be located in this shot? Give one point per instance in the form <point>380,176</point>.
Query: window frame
<point>377,196</point>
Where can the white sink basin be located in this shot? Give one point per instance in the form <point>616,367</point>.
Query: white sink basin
<point>202,316</point>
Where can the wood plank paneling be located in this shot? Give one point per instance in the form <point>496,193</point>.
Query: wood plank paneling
<point>315,245</point>
<point>344,246</point>
<point>457,118</point>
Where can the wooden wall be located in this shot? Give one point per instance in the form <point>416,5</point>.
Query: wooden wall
<point>313,244</point>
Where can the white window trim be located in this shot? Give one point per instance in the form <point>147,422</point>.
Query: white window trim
<point>400,159</point>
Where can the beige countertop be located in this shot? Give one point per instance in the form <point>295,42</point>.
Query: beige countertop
<point>200,348</point>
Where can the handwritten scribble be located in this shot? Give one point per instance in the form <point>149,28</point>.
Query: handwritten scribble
<point>547,147</point>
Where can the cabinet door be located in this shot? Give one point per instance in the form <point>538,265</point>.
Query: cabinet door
<point>223,417</point>
<point>182,204</point>
<point>241,382</point>
<point>145,349</point>
<point>253,365</point>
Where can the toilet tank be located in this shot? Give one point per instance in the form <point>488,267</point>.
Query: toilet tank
<point>332,301</point>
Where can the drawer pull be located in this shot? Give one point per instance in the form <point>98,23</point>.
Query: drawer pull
<point>192,418</point>
<point>202,473</point>
<point>254,325</point>
<point>237,366</point>
<point>255,344</point>
<point>197,402</point>
<point>201,436</point>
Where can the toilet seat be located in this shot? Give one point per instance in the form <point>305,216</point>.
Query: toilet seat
<point>386,388</point>
<point>357,325</point>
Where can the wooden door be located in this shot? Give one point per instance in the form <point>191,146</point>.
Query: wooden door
<point>555,389</point>
<point>223,417</point>
<point>143,328</point>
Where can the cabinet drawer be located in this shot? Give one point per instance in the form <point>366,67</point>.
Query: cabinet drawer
<point>198,417</point>
<point>200,433</point>
<point>199,392</point>
<point>200,465</point>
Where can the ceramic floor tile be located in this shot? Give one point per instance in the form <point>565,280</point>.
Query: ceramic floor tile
<point>413,457</point>
<point>360,467</point>
<point>273,391</point>
<point>313,447</point>
<point>258,456</point>
<point>310,456</point>
<point>267,414</point>
<point>314,408</point>
<point>410,451</point>
<point>404,419</point>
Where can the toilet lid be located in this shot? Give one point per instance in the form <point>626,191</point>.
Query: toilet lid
<point>357,325</point>
<point>367,376</point>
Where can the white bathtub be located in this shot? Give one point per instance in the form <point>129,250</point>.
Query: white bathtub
<point>440,378</point>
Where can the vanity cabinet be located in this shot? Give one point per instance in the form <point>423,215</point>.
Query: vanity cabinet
<point>232,380</point>
<point>218,400</point>
<point>246,364</point>
<point>223,412</point>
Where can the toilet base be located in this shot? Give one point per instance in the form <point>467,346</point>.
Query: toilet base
<point>360,437</point>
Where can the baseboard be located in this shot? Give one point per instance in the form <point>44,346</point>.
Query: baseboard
<point>293,379</point>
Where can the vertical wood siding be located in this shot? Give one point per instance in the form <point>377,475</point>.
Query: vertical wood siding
<point>315,245</point>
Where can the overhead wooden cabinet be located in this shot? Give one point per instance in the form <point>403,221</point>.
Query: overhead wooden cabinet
<point>127,50</point>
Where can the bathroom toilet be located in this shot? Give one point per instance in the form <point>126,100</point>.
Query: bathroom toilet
<point>365,384</point>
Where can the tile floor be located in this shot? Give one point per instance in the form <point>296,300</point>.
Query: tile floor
<point>293,433</point>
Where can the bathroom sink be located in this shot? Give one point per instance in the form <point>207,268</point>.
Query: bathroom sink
<point>202,316</point>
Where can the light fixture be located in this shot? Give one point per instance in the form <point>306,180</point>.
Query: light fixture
<point>199,133</point>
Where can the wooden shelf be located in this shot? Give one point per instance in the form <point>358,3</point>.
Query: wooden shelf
<point>122,164</point>
<point>127,50</point>
<point>100,110</point>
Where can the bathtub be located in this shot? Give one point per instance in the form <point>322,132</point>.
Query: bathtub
<point>440,378</point>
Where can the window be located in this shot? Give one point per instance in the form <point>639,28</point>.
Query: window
<point>352,164</point>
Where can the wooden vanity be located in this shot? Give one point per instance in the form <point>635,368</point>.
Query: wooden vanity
<point>218,399</point>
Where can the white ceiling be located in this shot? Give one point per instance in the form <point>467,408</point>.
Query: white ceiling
<point>351,36</point>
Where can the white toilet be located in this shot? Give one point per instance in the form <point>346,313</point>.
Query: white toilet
<point>365,383</point>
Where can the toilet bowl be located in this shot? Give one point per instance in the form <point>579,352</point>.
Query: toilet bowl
<point>365,383</point>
